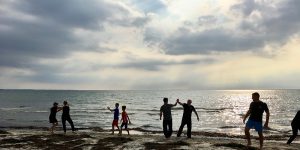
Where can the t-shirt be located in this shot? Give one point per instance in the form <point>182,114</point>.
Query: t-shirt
<point>53,111</point>
<point>66,111</point>
<point>166,110</point>
<point>257,109</point>
<point>187,111</point>
<point>296,120</point>
<point>124,117</point>
<point>116,114</point>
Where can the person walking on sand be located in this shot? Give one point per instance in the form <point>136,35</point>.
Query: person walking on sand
<point>116,117</point>
<point>187,117</point>
<point>125,120</point>
<point>165,111</point>
<point>256,110</point>
<point>52,117</point>
<point>295,126</point>
<point>66,117</point>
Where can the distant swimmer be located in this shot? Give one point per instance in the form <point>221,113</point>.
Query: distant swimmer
<point>125,120</point>
<point>187,117</point>
<point>256,110</point>
<point>116,118</point>
<point>52,117</point>
<point>66,117</point>
<point>165,111</point>
<point>295,126</point>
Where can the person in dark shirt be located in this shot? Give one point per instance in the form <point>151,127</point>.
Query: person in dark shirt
<point>187,117</point>
<point>256,110</point>
<point>116,118</point>
<point>295,126</point>
<point>52,117</point>
<point>66,117</point>
<point>165,111</point>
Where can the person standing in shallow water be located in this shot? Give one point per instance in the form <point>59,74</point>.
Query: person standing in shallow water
<point>66,117</point>
<point>52,117</point>
<point>295,126</point>
<point>165,111</point>
<point>187,117</point>
<point>256,110</point>
<point>116,118</point>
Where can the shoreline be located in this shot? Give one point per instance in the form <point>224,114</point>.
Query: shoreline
<point>98,138</point>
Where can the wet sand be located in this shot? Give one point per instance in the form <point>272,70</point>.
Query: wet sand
<point>99,139</point>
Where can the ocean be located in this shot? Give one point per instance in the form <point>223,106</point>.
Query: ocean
<point>220,111</point>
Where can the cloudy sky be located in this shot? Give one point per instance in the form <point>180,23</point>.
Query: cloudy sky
<point>149,44</point>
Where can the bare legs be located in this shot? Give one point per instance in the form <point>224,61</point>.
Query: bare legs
<point>261,137</point>
<point>247,133</point>
<point>113,129</point>
<point>53,127</point>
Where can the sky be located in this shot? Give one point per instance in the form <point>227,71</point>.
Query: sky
<point>149,44</point>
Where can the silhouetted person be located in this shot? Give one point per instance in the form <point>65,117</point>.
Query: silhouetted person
<point>187,117</point>
<point>125,120</point>
<point>295,126</point>
<point>116,118</point>
<point>52,117</point>
<point>165,111</point>
<point>256,110</point>
<point>66,117</point>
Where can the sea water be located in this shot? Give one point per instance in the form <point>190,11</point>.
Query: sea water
<point>220,111</point>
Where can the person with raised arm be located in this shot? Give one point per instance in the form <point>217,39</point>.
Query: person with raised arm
<point>187,117</point>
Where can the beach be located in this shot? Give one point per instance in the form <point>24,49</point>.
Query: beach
<point>98,138</point>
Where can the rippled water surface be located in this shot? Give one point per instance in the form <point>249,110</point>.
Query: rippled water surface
<point>219,111</point>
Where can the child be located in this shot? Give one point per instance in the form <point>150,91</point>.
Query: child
<point>52,117</point>
<point>116,117</point>
<point>66,117</point>
<point>256,110</point>
<point>124,119</point>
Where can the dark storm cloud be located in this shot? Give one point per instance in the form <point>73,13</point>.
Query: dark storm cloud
<point>50,33</point>
<point>276,25</point>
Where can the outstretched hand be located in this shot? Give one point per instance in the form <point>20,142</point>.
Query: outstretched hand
<point>198,119</point>
<point>108,108</point>
<point>177,100</point>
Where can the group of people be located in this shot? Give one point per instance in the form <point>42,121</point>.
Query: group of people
<point>64,117</point>
<point>255,114</point>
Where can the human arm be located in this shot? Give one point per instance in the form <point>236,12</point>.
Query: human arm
<point>160,115</point>
<point>196,114</point>
<point>59,109</point>
<point>175,103</point>
<point>128,120</point>
<point>266,125</point>
<point>110,109</point>
<point>179,102</point>
<point>246,116</point>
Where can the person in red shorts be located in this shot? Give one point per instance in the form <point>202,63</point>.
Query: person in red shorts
<point>116,117</point>
<point>125,119</point>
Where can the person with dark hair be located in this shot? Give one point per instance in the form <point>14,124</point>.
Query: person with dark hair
<point>66,117</point>
<point>125,120</point>
<point>295,127</point>
<point>165,111</point>
<point>187,117</point>
<point>52,117</point>
<point>116,118</point>
<point>256,110</point>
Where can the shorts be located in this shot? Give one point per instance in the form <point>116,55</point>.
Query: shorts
<point>124,124</point>
<point>52,120</point>
<point>254,124</point>
<point>115,122</point>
